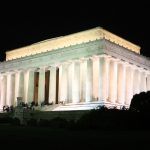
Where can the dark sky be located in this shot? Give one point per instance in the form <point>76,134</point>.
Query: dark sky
<point>24,24</point>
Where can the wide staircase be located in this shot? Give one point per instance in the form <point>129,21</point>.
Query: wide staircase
<point>80,106</point>
<point>66,111</point>
<point>77,106</point>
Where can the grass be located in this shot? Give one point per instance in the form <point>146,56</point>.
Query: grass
<point>63,138</point>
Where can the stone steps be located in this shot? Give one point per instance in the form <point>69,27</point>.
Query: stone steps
<point>79,106</point>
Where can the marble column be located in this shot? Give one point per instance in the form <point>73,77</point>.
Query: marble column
<point>3,90</point>
<point>41,88</point>
<point>113,80</point>
<point>129,84</point>
<point>86,80</point>
<point>148,81</point>
<point>136,81</point>
<point>143,81</point>
<point>21,85</point>
<point>83,74</point>
<point>16,87</point>
<point>70,81</point>
<point>95,78</point>
<point>52,85</point>
<point>89,80</point>
<point>103,78</point>
<point>9,90</point>
<point>64,83</point>
<point>30,86</point>
<point>0,92</point>
<point>26,82</point>
<point>13,89</point>
<point>121,87</point>
<point>60,81</point>
<point>76,82</point>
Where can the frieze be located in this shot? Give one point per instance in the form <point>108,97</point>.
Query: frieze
<point>52,56</point>
<point>127,55</point>
<point>70,40</point>
<point>97,47</point>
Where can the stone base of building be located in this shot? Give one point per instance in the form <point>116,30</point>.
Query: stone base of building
<point>72,111</point>
<point>82,106</point>
<point>78,106</point>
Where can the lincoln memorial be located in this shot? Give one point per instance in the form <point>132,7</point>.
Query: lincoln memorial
<point>79,71</point>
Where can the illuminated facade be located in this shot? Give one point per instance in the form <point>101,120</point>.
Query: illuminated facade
<point>81,70</point>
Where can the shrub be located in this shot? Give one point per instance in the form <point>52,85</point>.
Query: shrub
<point>43,122</point>
<point>15,121</point>
<point>58,123</point>
<point>5,120</point>
<point>32,122</point>
<point>141,102</point>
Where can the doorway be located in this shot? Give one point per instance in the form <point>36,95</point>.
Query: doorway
<point>57,84</point>
<point>36,85</point>
<point>47,78</point>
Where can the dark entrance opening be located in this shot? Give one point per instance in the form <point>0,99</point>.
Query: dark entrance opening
<point>47,77</point>
<point>57,84</point>
<point>36,85</point>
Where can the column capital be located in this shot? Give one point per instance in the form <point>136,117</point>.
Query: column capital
<point>62,64</point>
<point>51,67</point>
<point>19,70</point>
<point>31,69</point>
<point>122,62</point>
<point>126,64</point>
<point>148,72</point>
<point>102,55</point>
<point>142,70</point>
<point>70,61</point>
<point>113,59</point>
<point>134,67</point>
<point>1,77</point>
<point>76,60</point>
<point>65,63</point>
<point>58,65</point>
<point>40,69</point>
<point>7,73</point>
<point>85,59</point>
<point>3,73</point>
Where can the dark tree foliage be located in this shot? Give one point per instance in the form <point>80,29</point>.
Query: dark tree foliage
<point>141,102</point>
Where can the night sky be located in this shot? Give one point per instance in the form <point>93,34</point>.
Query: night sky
<point>23,24</point>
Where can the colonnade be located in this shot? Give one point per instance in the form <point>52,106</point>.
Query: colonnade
<point>97,78</point>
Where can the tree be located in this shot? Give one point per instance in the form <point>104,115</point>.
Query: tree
<point>141,102</point>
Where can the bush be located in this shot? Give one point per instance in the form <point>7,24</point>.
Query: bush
<point>15,121</point>
<point>43,122</point>
<point>58,123</point>
<point>141,102</point>
<point>108,119</point>
<point>71,124</point>
<point>5,120</point>
<point>32,122</point>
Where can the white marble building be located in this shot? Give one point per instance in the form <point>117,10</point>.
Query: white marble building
<point>83,70</point>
